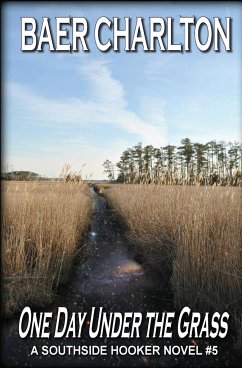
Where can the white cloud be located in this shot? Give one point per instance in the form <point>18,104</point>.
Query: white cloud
<point>107,105</point>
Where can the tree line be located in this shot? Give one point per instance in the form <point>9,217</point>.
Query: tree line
<point>20,175</point>
<point>191,163</point>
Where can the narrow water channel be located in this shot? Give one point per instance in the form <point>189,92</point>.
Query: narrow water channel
<point>110,278</point>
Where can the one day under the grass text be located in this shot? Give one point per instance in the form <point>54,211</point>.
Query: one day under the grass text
<point>123,325</point>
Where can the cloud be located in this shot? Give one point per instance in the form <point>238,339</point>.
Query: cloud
<point>104,104</point>
<point>107,105</point>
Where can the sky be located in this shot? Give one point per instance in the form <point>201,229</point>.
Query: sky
<point>83,108</point>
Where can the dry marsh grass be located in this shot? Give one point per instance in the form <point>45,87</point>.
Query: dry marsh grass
<point>199,231</point>
<point>42,223</point>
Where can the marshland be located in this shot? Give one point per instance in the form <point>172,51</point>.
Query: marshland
<point>42,223</point>
<point>197,232</point>
<point>125,246</point>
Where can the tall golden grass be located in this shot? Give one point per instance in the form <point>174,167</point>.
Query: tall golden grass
<point>42,223</point>
<point>199,231</point>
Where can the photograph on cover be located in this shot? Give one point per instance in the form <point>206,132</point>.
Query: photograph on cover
<point>121,184</point>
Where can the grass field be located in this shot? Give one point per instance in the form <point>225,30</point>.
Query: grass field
<point>198,231</point>
<point>42,224</point>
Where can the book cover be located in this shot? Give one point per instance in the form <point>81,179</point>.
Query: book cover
<point>121,184</point>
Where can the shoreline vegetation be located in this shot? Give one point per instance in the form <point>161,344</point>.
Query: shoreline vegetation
<point>195,230</point>
<point>43,225</point>
<point>191,163</point>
